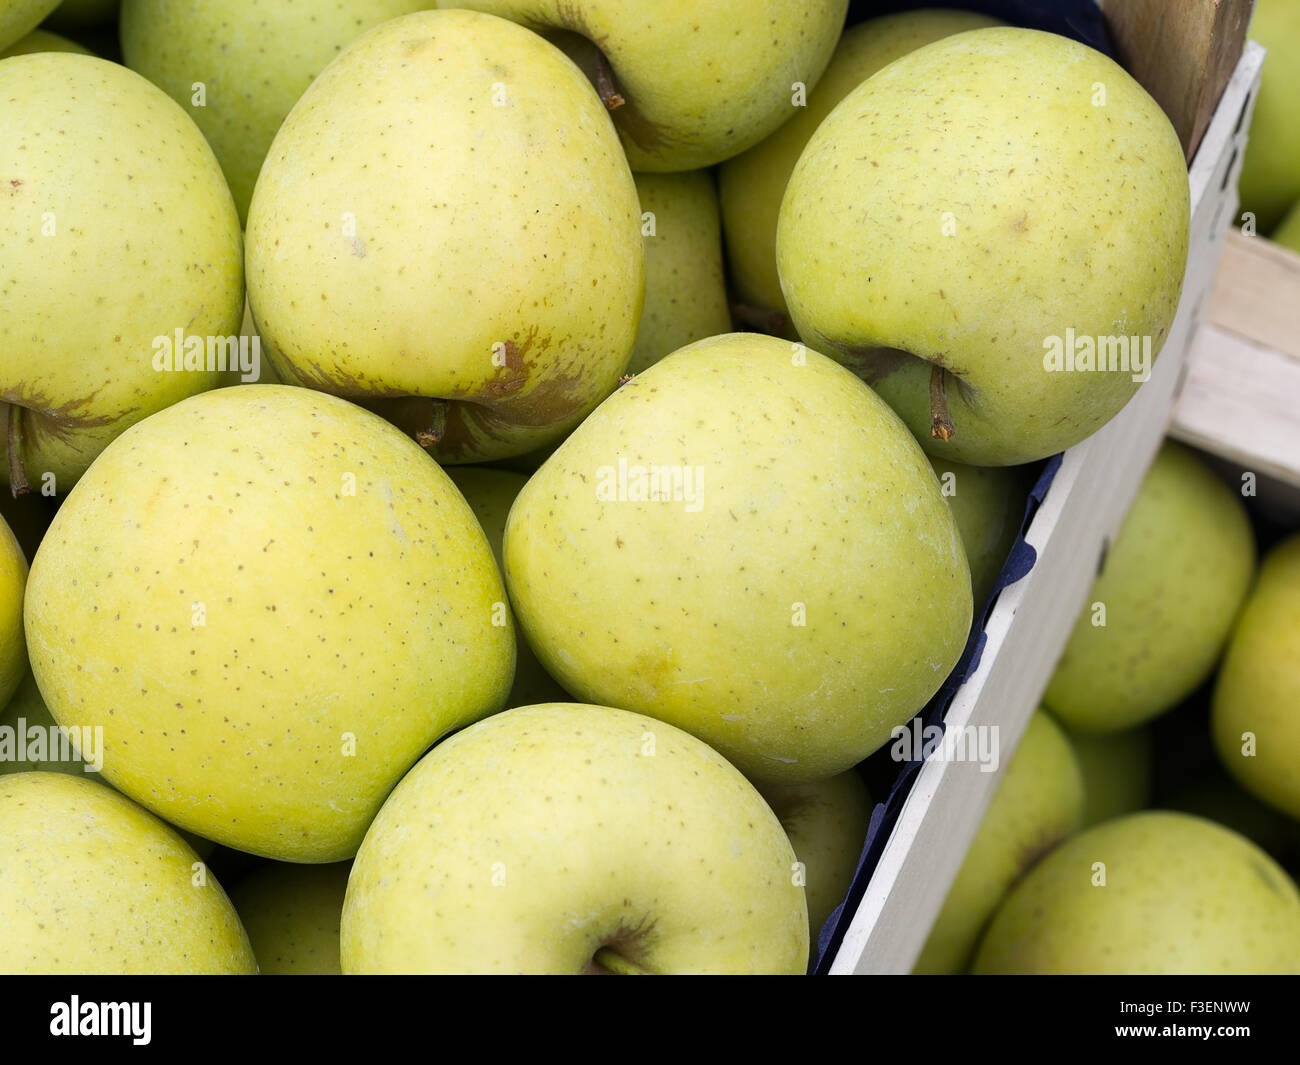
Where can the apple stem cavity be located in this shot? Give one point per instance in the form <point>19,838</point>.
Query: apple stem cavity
<point>18,483</point>
<point>605,87</point>
<point>430,434</point>
<point>763,319</point>
<point>616,964</point>
<point>941,427</point>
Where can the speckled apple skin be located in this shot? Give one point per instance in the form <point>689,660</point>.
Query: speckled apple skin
<point>1173,584</point>
<point>1258,690</point>
<point>326,615</point>
<point>752,184</point>
<point>1183,896</point>
<point>496,260</point>
<point>814,504</point>
<point>254,57</point>
<point>526,843</point>
<point>702,82</point>
<point>92,884</point>
<point>145,241</point>
<point>41,41</point>
<point>970,201</point>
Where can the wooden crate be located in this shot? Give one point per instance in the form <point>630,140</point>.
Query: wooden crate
<point>1189,54</point>
<point>1242,397</point>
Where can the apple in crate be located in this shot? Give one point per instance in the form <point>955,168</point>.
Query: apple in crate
<point>564,838</point>
<point>992,231</point>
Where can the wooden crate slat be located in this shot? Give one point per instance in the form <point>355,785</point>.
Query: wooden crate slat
<point>1183,53</point>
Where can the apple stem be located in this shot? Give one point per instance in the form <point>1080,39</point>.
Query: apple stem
<point>430,434</point>
<point>761,318</point>
<point>941,427</point>
<point>616,964</point>
<point>605,88</point>
<point>18,483</point>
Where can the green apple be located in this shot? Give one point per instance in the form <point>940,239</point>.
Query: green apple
<point>1288,233</point>
<point>992,231</point>
<point>1117,770</point>
<point>79,14</point>
<point>1163,607</point>
<point>422,240</point>
<point>1038,803</point>
<point>19,17</point>
<point>13,582</point>
<point>36,747</point>
<point>292,913</point>
<point>685,291</point>
<point>92,884</point>
<point>826,821</point>
<point>988,503</point>
<point>1216,797</point>
<point>41,41</point>
<point>752,184</point>
<point>1270,173</point>
<point>564,838</point>
<point>688,84</point>
<point>490,494</point>
<point>745,542</point>
<point>116,234</point>
<point>1152,893</point>
<point>272,602</point>
<point>253,59</point>
<point>1256,709</point>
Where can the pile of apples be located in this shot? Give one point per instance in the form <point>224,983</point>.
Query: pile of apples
<point>414,543</point>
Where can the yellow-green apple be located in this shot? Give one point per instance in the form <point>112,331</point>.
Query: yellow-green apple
<point>1117,772</point>
<point>1152,893</point>
<point>689,84</point>
<point>92,884</point>
<point>41,41</point>
<point>291,914</point>
<point>422,240</point>
<point>685,291</point>
<point>19,17</point>
<point>988,503</point>
<point>992,231</point>
<point>239,66</point>
<point>34,743</point>
<point>1256,709</point>
<point>490,494</point>
<point>1039,802</point>
<point>1162,609</point>
<point>118,239</point>
<point>13,582</point>
<point>745,542</point>
<point>1270,173</point>
<point>752,183</point>
<point>272,602</point>
<point>564,838</point>
<point>1288,233</point>
<point>826,821</point>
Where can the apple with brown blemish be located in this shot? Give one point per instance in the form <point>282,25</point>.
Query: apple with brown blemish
<point>116,228</point>
<point>447,232</point>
